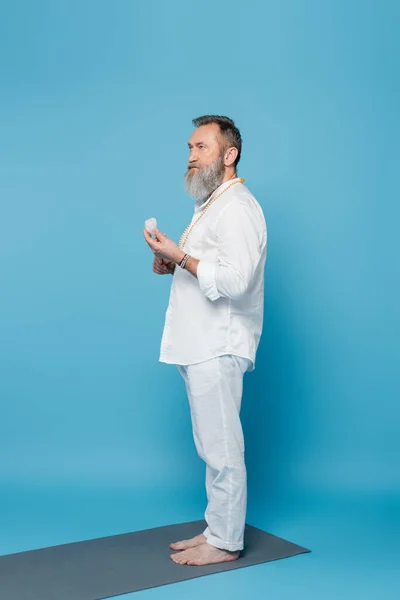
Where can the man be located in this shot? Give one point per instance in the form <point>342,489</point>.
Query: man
<point>213,325</point>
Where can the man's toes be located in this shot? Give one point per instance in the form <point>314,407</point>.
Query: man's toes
<point>182,558</point>
<point>182,545</point>
<point>177,558</point>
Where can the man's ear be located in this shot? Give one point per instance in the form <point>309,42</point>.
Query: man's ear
<point>230,156</point>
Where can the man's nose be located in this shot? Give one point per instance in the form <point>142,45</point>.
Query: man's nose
<point>192,156</point>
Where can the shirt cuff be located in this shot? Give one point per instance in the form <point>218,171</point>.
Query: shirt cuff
<point>206,277</point>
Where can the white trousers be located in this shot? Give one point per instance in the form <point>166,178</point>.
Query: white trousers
<point>214,389</point>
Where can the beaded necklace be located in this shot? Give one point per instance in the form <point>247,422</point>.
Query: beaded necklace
<point>189,228</point>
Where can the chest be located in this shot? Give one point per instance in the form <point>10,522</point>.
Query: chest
<point>201,237</point>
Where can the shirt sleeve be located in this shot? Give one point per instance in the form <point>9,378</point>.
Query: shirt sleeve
<point>240,245</point>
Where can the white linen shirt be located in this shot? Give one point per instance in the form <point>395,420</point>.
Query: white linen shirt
<point>221,311</point>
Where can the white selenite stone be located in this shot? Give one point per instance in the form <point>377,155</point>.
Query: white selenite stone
<point>151,225</point>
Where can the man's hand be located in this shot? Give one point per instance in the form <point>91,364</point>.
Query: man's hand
<point>161,266</point>
<point>163,247</point>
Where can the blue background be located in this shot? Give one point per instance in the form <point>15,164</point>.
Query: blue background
<point>95,437</point>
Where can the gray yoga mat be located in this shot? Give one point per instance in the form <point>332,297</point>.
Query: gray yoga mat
<point>119,564</point>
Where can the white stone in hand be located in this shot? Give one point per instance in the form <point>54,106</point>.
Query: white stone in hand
<point>151,225</point>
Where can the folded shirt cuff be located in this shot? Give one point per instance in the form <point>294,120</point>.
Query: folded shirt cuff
<point>206,272</point>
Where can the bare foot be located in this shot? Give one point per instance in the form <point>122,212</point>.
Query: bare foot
<point>192,543</point>
<point>205,554</point>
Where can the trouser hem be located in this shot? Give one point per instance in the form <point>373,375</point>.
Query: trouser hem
<point>231,546</point>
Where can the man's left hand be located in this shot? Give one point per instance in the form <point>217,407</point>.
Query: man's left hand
<point>163,246</point>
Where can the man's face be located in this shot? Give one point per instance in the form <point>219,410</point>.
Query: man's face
<point>204,146</point>
<point>206,168</point>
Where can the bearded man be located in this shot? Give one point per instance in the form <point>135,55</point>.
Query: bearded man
<point>213,325</point>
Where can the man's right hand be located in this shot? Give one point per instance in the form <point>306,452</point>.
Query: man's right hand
<point>161,266</point>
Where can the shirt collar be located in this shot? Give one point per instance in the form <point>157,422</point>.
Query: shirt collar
<point>200,206</point>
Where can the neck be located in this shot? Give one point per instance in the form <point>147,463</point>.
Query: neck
<point>230,173</point>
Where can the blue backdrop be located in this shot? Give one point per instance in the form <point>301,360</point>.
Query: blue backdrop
<point>95,112</point>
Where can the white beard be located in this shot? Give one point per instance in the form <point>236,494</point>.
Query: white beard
<point>201,184</point>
